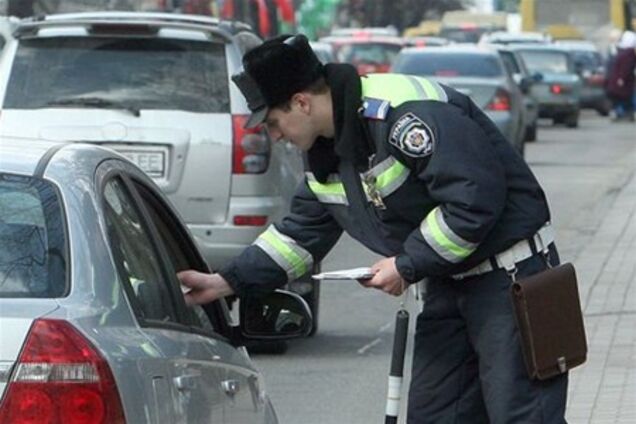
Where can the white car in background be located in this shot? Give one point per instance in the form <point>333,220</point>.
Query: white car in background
<point>156,87</point>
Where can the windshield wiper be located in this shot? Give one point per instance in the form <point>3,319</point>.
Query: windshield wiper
<point>97,102</point>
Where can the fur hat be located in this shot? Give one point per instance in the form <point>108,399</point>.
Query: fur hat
<point>274,72</point>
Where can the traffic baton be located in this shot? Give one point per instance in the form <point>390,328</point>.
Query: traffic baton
<point>394,392</point>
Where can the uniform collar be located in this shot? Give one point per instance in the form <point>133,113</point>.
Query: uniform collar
<point>350,141</point>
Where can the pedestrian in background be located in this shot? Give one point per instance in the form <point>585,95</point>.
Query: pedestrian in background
<point>416,172</point>
<point>620,78</point>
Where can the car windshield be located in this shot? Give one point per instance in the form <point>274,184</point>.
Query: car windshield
<point>374,53</point>
<point>545,61</point>
<point>116,73</point>
<point>450,65</point>
<point>32,244</point>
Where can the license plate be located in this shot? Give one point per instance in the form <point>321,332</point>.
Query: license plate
<point>152,162</point>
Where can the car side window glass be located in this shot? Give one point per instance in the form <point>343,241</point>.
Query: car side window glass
<point>135,257</point>
<point>170,232</point>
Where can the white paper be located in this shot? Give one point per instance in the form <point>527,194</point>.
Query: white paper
<point>362,273</point>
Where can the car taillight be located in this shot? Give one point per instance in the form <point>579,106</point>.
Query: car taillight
<point>558,89</point>
<point>251,148</point>
<point>250,220</point>
<point>500,101</point>
<point>60,378</point>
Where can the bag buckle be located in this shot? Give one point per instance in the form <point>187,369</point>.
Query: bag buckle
<point>562,364</point>
<point>512,273</point>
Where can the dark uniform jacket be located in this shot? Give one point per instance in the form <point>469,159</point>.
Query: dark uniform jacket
<point>415,170</point>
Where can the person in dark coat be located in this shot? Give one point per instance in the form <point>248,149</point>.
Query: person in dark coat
<point>620,77</point>
<point>416,172</point>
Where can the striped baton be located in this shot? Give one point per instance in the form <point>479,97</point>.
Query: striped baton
<point>393,395</point>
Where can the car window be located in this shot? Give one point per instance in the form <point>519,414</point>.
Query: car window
<point>32,241</point>
<point>545,61</point>
<point>587,60</point>
<point>450,65</point>
<point>136,259</point>
<point>179,249</point>
<point>509,61</point>
<point>144,73</point>
<point>375,53</point>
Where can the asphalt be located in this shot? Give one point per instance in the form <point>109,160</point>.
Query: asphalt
<point>603,390</point>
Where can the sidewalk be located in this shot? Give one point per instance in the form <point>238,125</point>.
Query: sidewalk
<point>603,390</point>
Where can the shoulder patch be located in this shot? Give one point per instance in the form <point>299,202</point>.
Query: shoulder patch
<point>375,108</point>
<point>412,136</point>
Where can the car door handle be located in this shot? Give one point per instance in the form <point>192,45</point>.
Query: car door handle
<point>230,387</point>
<point>186,382</point>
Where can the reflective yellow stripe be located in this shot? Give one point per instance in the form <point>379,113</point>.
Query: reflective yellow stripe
<point>398,89</point>
<point>328,188</point>
<point>283,250</point>
<point>332,191</point>
<point>392,174</point>
<point>443,240</point>
<point>428,88</point>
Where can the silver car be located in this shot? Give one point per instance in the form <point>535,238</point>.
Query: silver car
<point>156,87</point>
<point>476,72</point>
<point>558,86</point>
<point>93,325</point>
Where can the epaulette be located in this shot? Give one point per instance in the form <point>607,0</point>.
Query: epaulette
<point>375,108</point>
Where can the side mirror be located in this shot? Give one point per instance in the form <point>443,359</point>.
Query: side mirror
<point>537,77</point>
<point>525,84</point>
<point>280,315</point>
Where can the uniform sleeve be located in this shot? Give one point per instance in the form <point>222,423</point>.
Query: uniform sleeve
<point>463,175</point>
<point>287,250</point>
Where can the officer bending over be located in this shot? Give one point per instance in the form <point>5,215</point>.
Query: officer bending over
<point>417,173</point>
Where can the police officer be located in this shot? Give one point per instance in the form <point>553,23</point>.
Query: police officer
<point>417,173</point>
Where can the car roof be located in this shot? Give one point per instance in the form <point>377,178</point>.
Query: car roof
<point>368,31</point>
<point>578,45</point>
<point>451,49</point>
<point>371,39</point>
<point>30,156</point>
<point>538,47</point>
<point>154,19</point>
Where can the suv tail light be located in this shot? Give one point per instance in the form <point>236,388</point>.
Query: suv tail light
<point>251,148</point>
<point>500,101</point>
<point>60,378</point>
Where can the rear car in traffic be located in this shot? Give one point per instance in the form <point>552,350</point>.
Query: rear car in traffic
<point>369,53</point>
<point>558,86</point>
<point>478,73</point>
<point>590,66</point>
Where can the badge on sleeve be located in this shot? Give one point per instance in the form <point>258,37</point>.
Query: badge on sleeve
<point>412,136</point>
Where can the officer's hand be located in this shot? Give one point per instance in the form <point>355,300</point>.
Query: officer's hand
<point>386,278</point>
<point>201,288</point>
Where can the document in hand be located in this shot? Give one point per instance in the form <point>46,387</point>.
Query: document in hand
<point>362,273</point>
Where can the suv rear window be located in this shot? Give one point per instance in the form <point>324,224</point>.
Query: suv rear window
<point>32,243</point>
<point>142,73</point>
